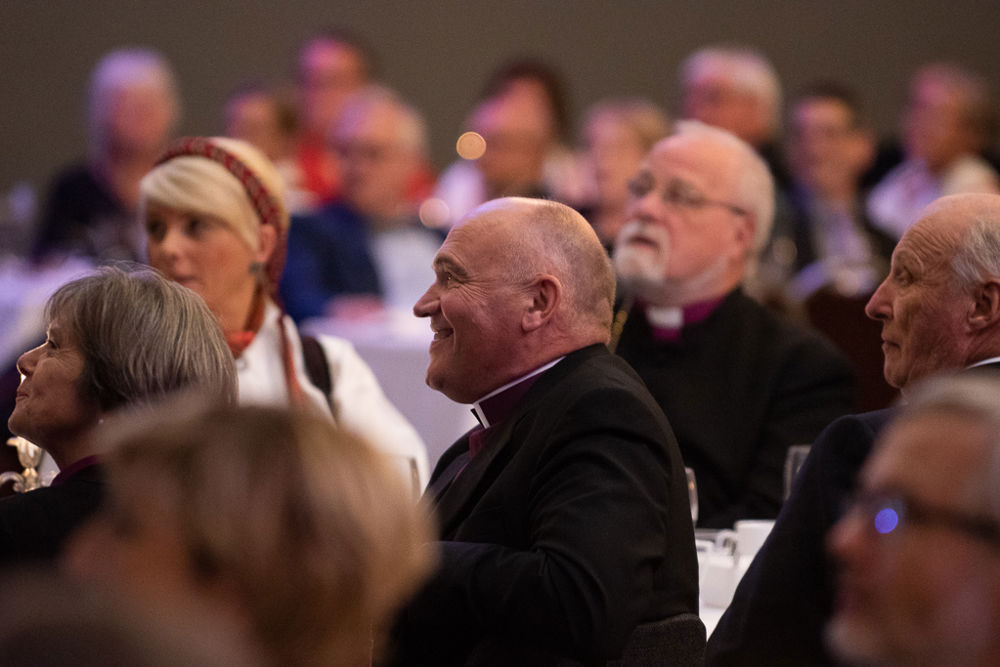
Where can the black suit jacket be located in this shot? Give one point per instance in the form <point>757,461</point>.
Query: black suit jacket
<point>739,389</point>
<point>35,525</point>
<point>568,530</point>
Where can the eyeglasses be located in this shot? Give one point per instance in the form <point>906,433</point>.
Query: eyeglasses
<point>680,194</point>
<point>889,513</point>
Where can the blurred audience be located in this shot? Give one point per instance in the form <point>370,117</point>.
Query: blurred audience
<point>739,384</point>
<point>736,88</point>
<point>114,339</point>
<point>332,65</point>
<point>272,525</point>
<point>522,121</point>
<point>370,250</point>
<point>831,258</point>
<point>617,134</point>
<point>216,221</point>
<point>917,548</point>
<point>266,116</point>
<point>829,146</point>
<point>939,309</point>
<point>90,208</point>
<point>945,127</point>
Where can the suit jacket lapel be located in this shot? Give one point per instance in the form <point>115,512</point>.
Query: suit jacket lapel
<point>454,504</point>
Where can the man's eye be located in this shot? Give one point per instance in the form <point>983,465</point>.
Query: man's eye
<point>638,187</point>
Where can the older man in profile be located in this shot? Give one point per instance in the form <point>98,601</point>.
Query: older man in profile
<point>940,311</point>
<point>564,518</point>
<point>739,384</point>
<point>918,551</point>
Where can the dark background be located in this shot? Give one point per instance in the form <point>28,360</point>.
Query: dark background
<point>437,54</point>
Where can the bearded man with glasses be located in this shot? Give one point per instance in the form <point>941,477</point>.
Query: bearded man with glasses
<point>739,384</point>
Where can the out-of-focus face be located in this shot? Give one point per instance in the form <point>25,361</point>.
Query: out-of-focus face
<point>913,590</point>
<point>475,314</point>
<point>139,118</point>
<point>254,118</point>
<point>934,129</point>
<point>614,153</point>
<point>922,310</point>
<point>518,130</point>
<point>377,165</point>
<point>329,73</point>
<point>49,409</point>
<point>828,152</point>
<point>683,235</point>
<point>204,254</point>
<point>714,99</point>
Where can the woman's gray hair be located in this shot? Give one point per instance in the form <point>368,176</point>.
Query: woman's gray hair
<point>142,337</point>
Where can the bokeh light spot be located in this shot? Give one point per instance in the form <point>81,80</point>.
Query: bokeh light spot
<point>471,146</point>
<point>434,213</point>
<point>886,520</point>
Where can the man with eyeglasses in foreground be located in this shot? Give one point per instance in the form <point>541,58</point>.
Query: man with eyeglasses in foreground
<point>739,384</point>
<point>918,548</point>
<point>940,311</point>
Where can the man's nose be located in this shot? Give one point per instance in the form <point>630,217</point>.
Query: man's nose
<point>426,304</point>
<point>878,306</point>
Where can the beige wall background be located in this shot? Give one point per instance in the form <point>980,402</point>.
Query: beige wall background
<point>437,54</point>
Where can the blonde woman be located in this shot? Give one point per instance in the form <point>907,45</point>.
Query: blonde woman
<point>216,222</point>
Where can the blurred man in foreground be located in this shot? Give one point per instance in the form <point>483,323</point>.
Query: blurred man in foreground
<point>918,551</point>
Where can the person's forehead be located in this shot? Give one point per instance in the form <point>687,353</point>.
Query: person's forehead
<point>686,155</point>
<point>821,110</point>
<point>933,456</point>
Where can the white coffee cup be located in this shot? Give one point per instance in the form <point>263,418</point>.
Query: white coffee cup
<point>747,538</point>
<point>719,576</point>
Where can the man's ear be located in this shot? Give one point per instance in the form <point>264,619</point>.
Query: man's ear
<point>746,232</point>
<point>985,310</point>
<point>267,237</point>
<point>545,292</point>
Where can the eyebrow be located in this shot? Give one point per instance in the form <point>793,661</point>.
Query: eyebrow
<point>449,265</point>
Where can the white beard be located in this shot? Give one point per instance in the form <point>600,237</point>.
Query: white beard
<point>643,269</point>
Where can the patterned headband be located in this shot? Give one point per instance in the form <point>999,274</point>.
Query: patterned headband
<point>263,201</point>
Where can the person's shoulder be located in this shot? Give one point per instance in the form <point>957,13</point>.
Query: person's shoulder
<point>851,436</point>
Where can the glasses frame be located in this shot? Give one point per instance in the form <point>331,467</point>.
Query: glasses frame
<point>681,194</point>
<point>873,506</point>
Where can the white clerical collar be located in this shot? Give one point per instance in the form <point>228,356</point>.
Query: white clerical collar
<point>665,317</point>
<point>477,406</point>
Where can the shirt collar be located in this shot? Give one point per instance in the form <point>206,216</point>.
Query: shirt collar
<point>666,323</point>
<point>495,406</point>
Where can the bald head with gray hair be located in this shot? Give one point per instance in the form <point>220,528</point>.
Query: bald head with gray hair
<point>754,186</point>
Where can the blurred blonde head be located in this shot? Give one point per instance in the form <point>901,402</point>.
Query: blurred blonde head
<point>311,535</point>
